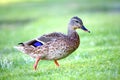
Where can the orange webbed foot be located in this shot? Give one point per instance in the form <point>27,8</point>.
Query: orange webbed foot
<point>36,63</point>
<point>57,64</point>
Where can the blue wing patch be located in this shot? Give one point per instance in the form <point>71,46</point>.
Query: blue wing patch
<point>37,43</point>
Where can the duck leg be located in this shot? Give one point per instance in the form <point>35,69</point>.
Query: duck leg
<point>55,61</point>
<point>36,63</point>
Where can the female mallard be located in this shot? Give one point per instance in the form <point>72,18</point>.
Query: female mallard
<point>54,46</point>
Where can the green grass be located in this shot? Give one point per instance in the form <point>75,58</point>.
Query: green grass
<point>97,58</point>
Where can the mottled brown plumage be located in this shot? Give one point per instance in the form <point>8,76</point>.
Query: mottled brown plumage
<point>54,46</point>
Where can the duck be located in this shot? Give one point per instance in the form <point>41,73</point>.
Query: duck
<point>54,46</point>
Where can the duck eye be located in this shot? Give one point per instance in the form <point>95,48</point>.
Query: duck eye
<point>77,21</point>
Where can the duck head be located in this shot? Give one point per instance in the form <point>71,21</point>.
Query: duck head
<point>76,23</point>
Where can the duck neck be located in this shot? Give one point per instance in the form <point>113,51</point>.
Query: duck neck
<point>72,33</point>
<point>74,37</point>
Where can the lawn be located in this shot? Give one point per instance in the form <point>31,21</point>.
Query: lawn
<point>98,56</point>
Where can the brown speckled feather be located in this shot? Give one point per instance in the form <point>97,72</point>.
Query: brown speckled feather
<point>50,37</point>
<point>54,46</point>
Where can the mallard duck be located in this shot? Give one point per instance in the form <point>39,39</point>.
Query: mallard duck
<point>54,46</point>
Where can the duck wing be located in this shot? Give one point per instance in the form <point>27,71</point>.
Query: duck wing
<point>43,39</point>
<point>51,36</point>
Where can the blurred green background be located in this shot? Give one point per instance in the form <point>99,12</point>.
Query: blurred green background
<point>97,58</point>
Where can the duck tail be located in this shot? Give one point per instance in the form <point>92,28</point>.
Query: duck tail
<point>21,44</point>
<point>20,47</point>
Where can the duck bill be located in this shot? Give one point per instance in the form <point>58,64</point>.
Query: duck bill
<point>83,28</point>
